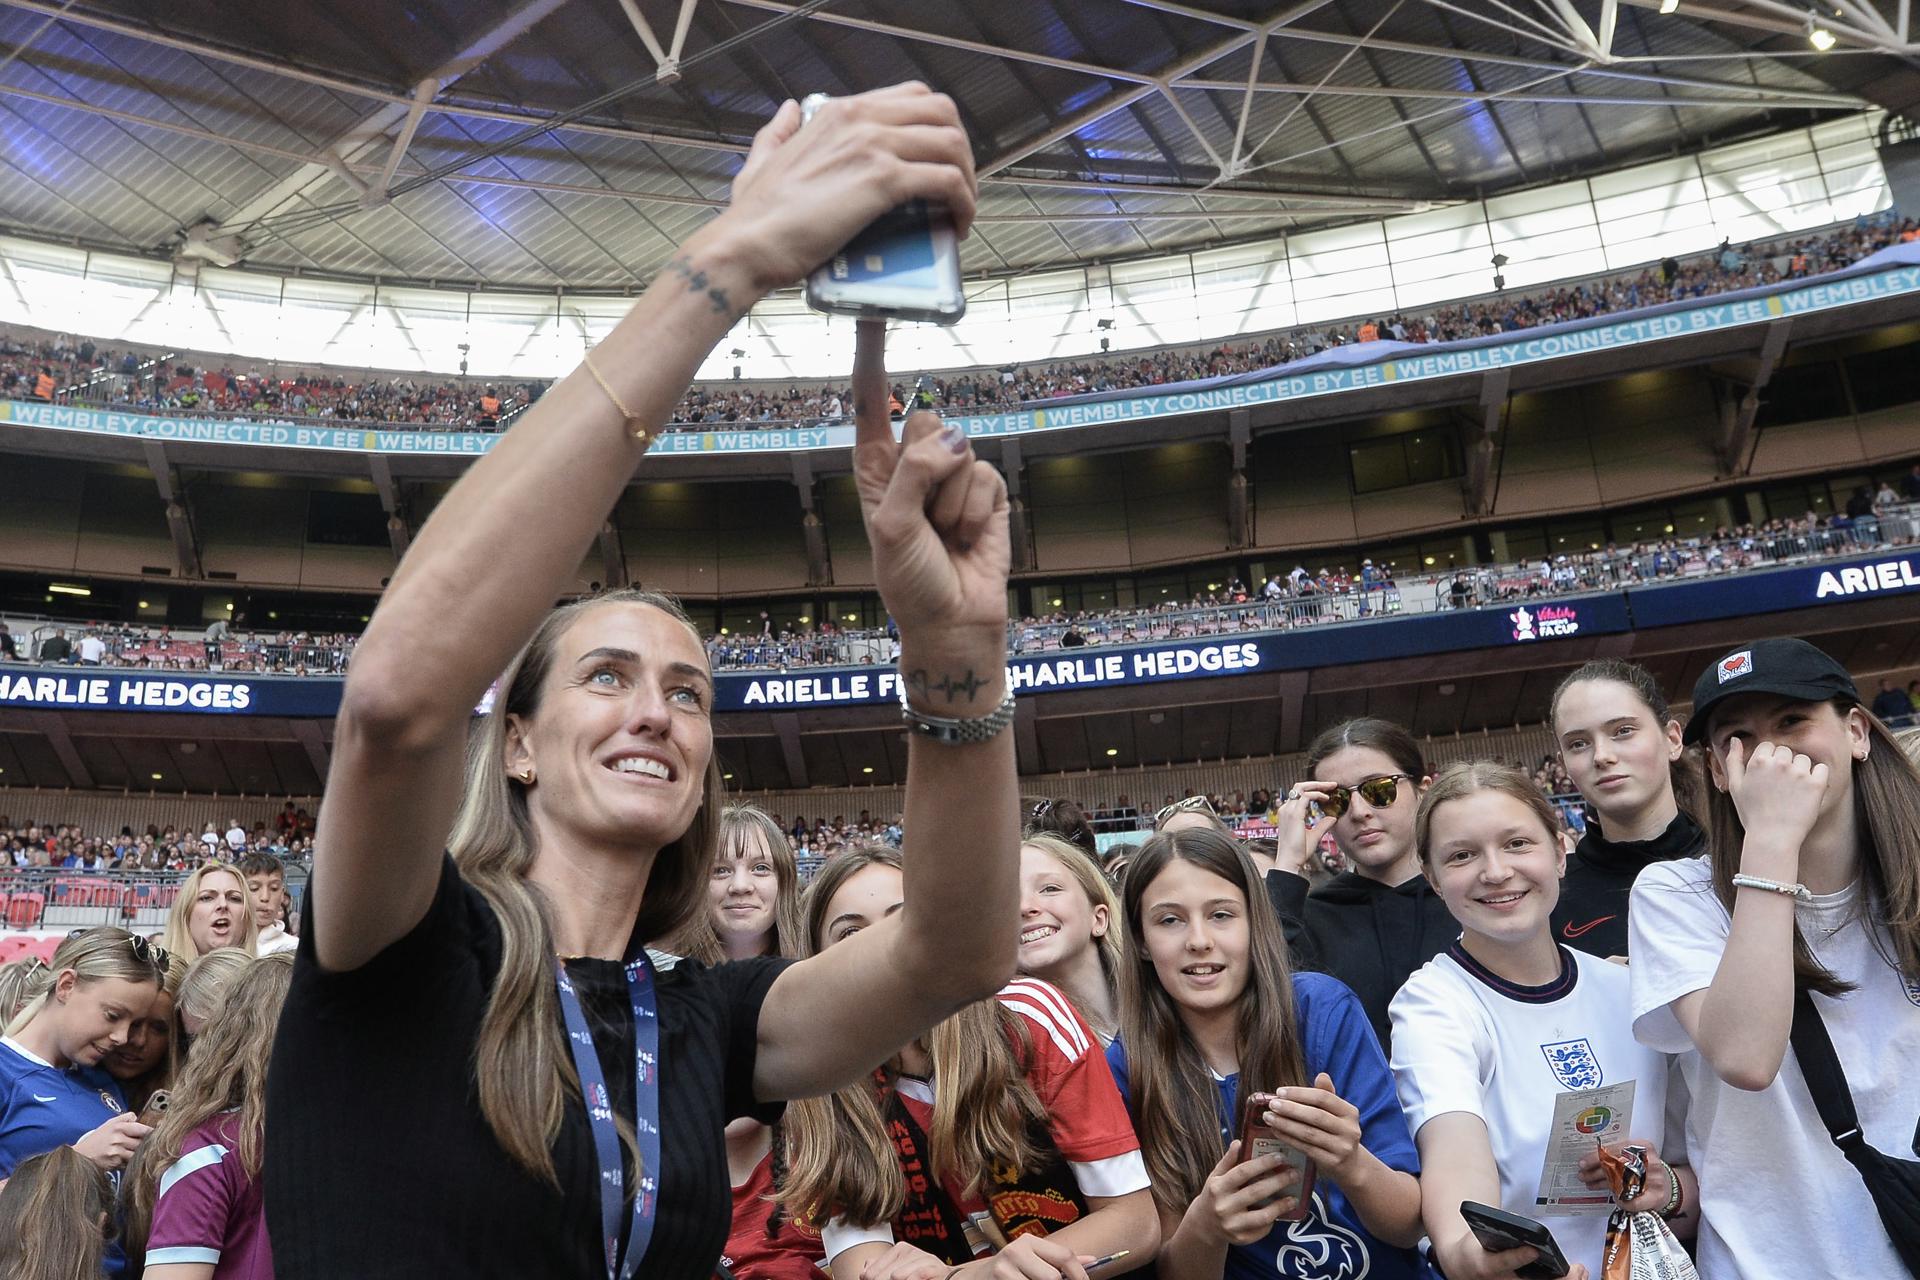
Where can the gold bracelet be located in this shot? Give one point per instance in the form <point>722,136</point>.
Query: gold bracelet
<point>643,435</point>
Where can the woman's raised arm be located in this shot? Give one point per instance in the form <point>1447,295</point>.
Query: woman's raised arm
<point>937,521</point>
<point>506,540</point>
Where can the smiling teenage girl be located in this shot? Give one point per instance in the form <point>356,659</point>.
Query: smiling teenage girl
<point>1622,748</point>
<point>1813,885</point>
<point>456,1010</point>
<point>1069,931</point>
<point>1210,1015</point>
<point>1487,1036</point>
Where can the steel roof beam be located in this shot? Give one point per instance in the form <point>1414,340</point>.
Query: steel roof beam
<point>1819,101</point>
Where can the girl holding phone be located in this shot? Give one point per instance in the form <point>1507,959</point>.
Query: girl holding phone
<point>995,1147</point>
<point>1622,747</point>
<point>1812,887</point>
<point>146,1063</point>
<point>1210,1015</point>
<point>1375,923</point>
<point>1488,1036</point>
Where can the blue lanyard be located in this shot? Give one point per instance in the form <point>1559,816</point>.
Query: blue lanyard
<point>646,1113</point>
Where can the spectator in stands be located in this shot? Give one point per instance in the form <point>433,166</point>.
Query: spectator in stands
<point>56,647</point>
<point>753,893</point>
<point>1069,928</point>
<point>236,837</point>
<point>9,650</point>
<point>52,1090</point>
<point>1185,815</point>
<point>146,1063</point>
<point>56,1218</point>
<point>195,1196</point>
<point>1469,1030</point>
<point>91,648</point>
<point>428,997</point>
<point>1621,748</point>
<point>212,910</point>
<point>266,878</point>
<point>1016,1089</point>
<point>1379,921</point>
<point>1213,1013</point>
<point>1066,819</point>
<point>204,990</point>
<point>1891,703</point>
<point>1911,485</point>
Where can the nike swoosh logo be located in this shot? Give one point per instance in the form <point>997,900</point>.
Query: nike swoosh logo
<point>38,1098</point>
<point>1571,930</point>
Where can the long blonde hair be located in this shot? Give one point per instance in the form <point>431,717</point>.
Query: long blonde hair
<point>521,1063</point>
<point>21,981</point>
<point>92,955</point>
<point>739,823</point>
<point>180,942</point>
<point>1175,1106</point>
<point>227,1072</point>
<point>843,1163</point>
<point>204,988</point>
<point>50,1218</point>
<point>1086,873</point>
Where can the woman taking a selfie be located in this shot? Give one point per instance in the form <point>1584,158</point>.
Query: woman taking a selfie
<point>995,1147</point>
<point>1488,1036</point>
<point>1211,1014</point>
<point>471,1000</point>
<point>1622,748</point>
<point>1801,927</point>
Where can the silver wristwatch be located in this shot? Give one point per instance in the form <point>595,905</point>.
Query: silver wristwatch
<point>953,732</point>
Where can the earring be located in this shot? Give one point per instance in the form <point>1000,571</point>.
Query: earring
<point>526,779</point>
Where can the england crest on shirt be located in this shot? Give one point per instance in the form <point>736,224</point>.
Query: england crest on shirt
<point>1574,1064</point>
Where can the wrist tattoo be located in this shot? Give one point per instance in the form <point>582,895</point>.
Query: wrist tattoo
<point>698,281</point>
<point>953,688</point>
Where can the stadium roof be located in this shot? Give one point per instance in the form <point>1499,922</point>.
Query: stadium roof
<point>576,142</point>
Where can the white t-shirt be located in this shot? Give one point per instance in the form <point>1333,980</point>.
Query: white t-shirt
<point>274,938</point>
<point>92,648</point>
<point>1466,1040</point>
<point>236,838</point>
<point>1776,1195</point>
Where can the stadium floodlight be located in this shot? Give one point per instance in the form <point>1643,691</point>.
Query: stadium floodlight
<point>1819,35</point>
<point>1669,6</point>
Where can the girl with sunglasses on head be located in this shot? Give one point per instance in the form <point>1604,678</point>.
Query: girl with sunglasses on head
<point>1621,746</point>
<point>52,1089</point>
<point>1069,929</point>
<point>1375,923</point>
<point>993,1147</point>
<point>1211,1014</point>
<point>1809,896</point>
<point>193,1198</point>
<point>1488,1036</point>
<point>472,959</point>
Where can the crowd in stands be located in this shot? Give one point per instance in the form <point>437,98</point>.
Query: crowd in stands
<point>82,372</point>
<point>29,844</point>
<point>1300,597</point>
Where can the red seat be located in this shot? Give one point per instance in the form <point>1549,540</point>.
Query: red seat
<point>14,946</point>
<point>24,910</point>
<point>44,948</point>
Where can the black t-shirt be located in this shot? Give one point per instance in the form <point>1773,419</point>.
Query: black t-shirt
<point>380,1164</point>
<point>1592,912</point>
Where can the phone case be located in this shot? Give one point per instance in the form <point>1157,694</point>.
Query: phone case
<point>1497,1230</point>
<point>1257,1140</point>
<point>904,265</point>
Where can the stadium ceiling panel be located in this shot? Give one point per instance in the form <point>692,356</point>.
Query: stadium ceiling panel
<point>576,142</point>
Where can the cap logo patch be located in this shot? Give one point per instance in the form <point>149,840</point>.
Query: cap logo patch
<point>1735,665</point>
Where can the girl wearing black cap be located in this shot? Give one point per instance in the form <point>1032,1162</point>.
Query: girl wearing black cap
<point>1621,746</point>
<point>1812,885</point>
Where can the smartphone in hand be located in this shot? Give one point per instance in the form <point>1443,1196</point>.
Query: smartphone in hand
<point>905,265</point>
<point>1497,1231</point>
<point>1257,1140</point>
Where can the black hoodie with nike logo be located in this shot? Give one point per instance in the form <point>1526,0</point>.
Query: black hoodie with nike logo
<point>1592,915</point>
<point>1369,935</point>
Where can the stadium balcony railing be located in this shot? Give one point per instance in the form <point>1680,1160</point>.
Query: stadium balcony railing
<point>1467,587</point>
<point>1820,250</point>
<point>67,898</point>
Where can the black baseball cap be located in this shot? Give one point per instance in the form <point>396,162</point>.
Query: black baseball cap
<point>1786,668</point>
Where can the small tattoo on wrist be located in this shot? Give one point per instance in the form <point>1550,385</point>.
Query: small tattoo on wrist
<point>699,282</point>
<point>952,688</point>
